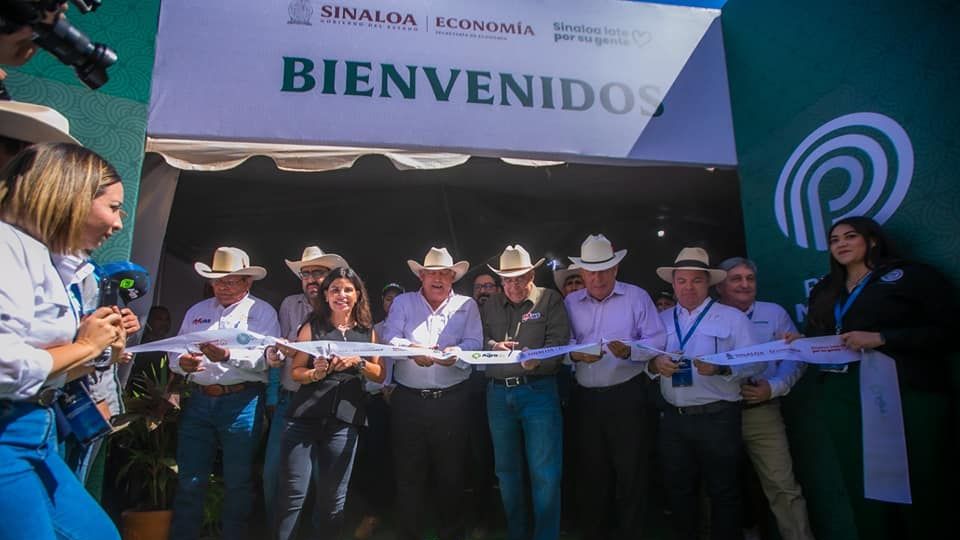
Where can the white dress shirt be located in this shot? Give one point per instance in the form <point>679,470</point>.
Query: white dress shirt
<point>455,323</point>
<point>35,314</point>
<point>722,329</point>
<point>294,311</point>
<point>244,365</point>
<point>628,313</point>
<point>770,323</point>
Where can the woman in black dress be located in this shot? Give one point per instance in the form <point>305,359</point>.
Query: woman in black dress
<point>320,435</point>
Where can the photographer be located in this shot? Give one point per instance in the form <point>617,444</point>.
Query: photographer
<point>27,24</point>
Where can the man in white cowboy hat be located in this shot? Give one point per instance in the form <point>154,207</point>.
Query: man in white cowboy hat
<point>613,414</point>
<point>700,423</point>
<point>23,124</point>
<point>310,269</point>
<point>429,406</point>
<point>224,406</point>
<point>523,404</point>
<point>568,279</point>
<point>764,433</point>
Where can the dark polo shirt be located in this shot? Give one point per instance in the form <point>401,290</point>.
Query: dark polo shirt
<point>537,322</point>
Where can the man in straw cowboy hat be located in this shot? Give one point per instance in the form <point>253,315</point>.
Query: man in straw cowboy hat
<point>310,269</point>
<point>523,405</point>
<point>764,433</point>
<point>225,403</point>
<point>568,279</point>
<point>700,424</point>
<point>429,406</point>
<point>613,412</point>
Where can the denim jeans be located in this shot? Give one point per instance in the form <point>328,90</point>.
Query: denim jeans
<point>323,452</point>
<point>231,422</point>
<point>271,458</point>
<point>40,497</point>
<point>527,426</point>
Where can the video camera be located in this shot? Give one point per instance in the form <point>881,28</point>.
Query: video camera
<point>59,37</point>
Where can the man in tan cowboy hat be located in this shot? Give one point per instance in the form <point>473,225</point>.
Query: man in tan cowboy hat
<point>568,279</point>
<point>613,412</point>
<point>429,406</point>
<point>311,268</point>
<point>226,392</point>
<point>522,400</point>
<point>700,424</point>
<point>23,124</point>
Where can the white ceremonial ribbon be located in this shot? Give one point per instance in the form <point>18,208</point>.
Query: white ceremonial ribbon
<point>815,350</point>
<point>227,338</point>
<point>886,473</point>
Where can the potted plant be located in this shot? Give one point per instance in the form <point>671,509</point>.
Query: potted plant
<point>147,448</point>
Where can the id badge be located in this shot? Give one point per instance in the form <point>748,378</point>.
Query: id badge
<point>683,376</point>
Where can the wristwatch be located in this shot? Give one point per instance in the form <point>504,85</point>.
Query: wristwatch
<point>361,365</point>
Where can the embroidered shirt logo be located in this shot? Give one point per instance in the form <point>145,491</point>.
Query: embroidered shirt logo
<point>892,276</point>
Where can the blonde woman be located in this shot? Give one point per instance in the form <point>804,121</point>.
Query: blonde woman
<point>54,199</point>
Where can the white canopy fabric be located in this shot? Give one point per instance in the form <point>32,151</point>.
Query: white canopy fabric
<point>197,155</point>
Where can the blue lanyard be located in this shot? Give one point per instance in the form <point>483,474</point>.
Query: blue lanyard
<point>676,322</point>
<point>839,310</point>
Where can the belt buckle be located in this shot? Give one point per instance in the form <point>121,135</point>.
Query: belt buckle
<point>681,411</point>
<point>427,393</point>
<point>511,382</point>
<point>214,390</point>
<point>47,397</point>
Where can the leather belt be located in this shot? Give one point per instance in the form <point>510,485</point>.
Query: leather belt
<point>512,382</point>
<point>46,397</point>
<point>706,408</point>
<point>217,390</point>
<point>431,393</point>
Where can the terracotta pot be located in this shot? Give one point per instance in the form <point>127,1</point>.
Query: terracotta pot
<point>153,525</point>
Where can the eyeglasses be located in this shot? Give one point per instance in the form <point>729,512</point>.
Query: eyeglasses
<point>315,274</point>
<point>228,282</point>
<point>485,287</point>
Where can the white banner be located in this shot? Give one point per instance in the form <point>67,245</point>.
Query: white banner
<point>560,80</point>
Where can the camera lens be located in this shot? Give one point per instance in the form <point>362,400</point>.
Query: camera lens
<point>74,48</point>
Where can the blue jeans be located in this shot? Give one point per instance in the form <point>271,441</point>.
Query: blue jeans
<point>323,452</point>
<point>271,458</point>
<point>231,422</point>
<point>40,497</point>
<point>525,422</point>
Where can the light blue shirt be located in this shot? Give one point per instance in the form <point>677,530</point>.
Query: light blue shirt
<point>770,322</point>
<point>722,329</point>
<point>628,313</point>
<point>455,323</point>
<point>37,314</point>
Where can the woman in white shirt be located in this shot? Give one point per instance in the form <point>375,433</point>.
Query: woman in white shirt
<point>54,199</point>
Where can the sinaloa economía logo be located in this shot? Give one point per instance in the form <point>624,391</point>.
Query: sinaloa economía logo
<point>871,153</point>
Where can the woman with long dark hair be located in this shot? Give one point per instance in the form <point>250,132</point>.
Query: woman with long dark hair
<point>874,299</point>
<point>323,419</point>
<point>54,199</point>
